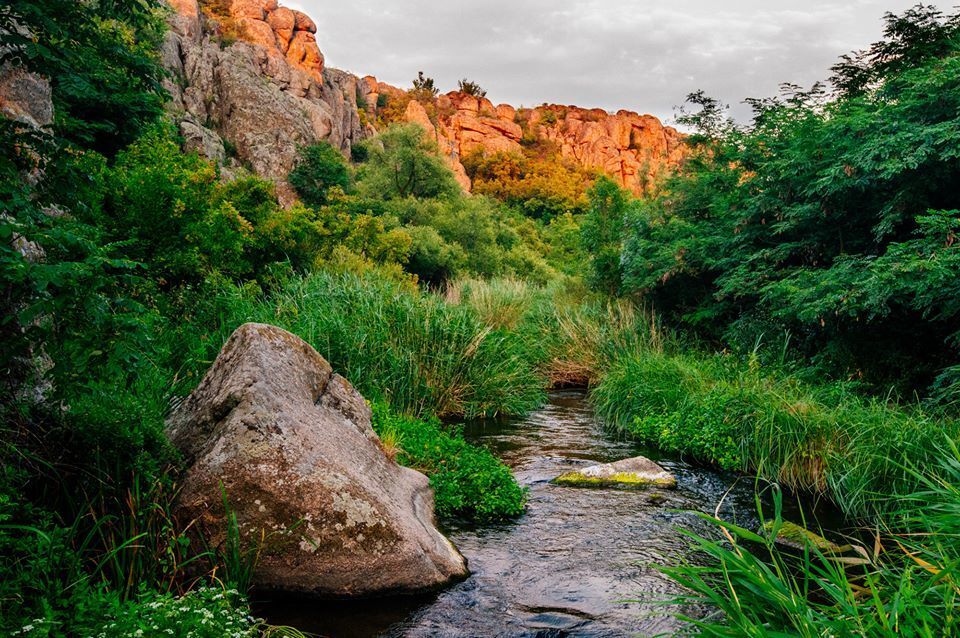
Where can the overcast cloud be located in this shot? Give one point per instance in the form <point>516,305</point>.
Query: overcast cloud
<point>612,54</point>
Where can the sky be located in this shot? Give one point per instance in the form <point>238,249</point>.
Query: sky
<point>612,54</point>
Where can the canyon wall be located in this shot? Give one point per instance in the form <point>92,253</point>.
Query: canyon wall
<point>249,87</point>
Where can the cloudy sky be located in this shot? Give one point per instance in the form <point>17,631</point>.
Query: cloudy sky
<point>643,56</point>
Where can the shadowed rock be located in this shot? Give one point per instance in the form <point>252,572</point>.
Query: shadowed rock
<point>292,446</point>
<point>637,472</point>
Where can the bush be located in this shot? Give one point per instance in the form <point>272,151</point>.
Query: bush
<point>468,481</point>
<point>471,88</point>
<point>320,167</point>
<point>202,613</point>
<point>424,87</point>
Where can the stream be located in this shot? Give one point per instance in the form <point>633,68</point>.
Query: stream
<point>579,562</point>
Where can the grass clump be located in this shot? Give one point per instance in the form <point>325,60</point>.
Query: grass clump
<point>741,417</point>
<point>906,584</point>
<point>468,481</point>
<point>571,334</point>
<point>408,348</point>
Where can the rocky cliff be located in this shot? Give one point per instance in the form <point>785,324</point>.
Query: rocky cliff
<point>250,87</point>
<point>633,149</point>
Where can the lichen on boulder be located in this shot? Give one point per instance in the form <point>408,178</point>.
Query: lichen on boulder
<point>638,472</point>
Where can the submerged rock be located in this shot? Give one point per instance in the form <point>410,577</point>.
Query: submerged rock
<point>637,472</point>
<point>799,537</point>
<point>289,443</point>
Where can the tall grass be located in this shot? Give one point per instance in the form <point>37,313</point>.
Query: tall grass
<point>906,584</point>
<point>499,303</point>
<point>572,335</point>
<point>739,416</point>
<point>421,355</point>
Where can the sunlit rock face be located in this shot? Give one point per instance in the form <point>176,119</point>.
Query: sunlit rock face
<point>250,87</point>
<point>248,77</point>
<point>635,150</point>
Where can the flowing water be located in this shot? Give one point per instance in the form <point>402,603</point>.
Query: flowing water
<point>579,562</point>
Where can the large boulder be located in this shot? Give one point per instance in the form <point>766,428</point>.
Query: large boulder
<point>290,444</point>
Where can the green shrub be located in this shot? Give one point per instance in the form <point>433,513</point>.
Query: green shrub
<point>320,167</point>
<point>202,613</point>
<point>741,417</point>
<point>471,88</point>
<point>468,481</point>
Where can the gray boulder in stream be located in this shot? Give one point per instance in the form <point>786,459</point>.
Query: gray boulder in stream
<point>290,445</point>
<point>638,472</point>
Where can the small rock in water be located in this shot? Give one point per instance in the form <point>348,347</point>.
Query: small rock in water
<point>799,537</point>
<point>637,472</point>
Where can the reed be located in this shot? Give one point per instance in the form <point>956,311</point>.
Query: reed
<point>740,416</point>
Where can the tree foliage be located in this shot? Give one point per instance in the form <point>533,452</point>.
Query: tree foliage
<point>471,88</point>
<point>403,162</point>
<point>424,88</point>
<point>833,219</point>
<point>537,182</point>
<point>602,231</point>
<point>102,58</point>
<point>320,168</point>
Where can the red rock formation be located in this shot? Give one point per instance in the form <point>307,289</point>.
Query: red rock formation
<point>281,31</point>
<point>299,103</point>
<point>634,149</point>
<point>249,73</point>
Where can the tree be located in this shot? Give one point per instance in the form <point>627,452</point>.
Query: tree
<point>101,58</point>
<point>471,88</point>
<point>831,218</point>
<point>424,87</point>
<point>404,162</point>
<point>602,233</point>
<point>319,168</point>
<point>920,34</point>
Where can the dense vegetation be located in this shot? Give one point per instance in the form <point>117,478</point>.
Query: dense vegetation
<point>126,263</point>
<point>831,218</point>
<point>818,241</point>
